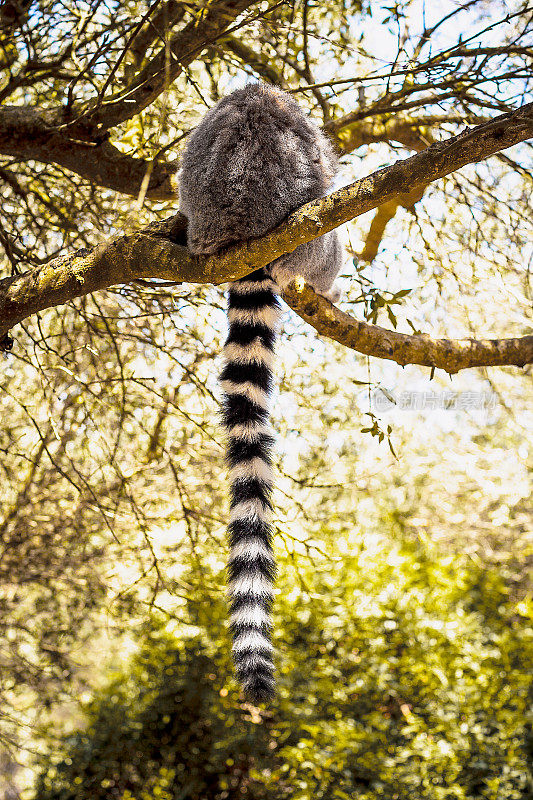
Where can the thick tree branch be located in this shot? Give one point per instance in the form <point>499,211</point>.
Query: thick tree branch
<point>414,132</point>
<point>450,355</point>
<point>153,252</point>
<point>78,143</point>
<point>144,254</point>
<point>29,133</point>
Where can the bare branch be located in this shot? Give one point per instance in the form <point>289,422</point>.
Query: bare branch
<point>256,60</point>
<point>415,133</point>
<point>450,355</point>
<point>381,219</point>
<point>156,27</point>
<point>207,26</point>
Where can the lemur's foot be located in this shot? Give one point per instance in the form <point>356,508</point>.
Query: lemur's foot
<point>333,295</point>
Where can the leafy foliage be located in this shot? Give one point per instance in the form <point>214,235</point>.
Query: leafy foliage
<point>399,677</point>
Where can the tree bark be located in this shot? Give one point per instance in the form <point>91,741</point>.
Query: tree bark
<point>157,252</point>
<point>30,133</point>
<point>450,355</point>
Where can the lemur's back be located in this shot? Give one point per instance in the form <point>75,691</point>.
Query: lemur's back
<point>253,160</point>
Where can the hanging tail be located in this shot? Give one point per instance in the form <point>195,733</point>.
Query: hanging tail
<point>253,313</point>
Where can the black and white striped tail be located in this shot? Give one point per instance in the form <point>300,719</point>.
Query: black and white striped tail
<point>253,313</point>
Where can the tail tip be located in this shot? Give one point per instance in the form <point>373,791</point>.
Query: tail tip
<point>259,688</point>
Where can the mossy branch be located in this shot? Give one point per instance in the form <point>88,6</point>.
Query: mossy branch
<point>158,252</point>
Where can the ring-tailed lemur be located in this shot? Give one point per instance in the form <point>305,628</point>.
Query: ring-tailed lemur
<point>253,159</point>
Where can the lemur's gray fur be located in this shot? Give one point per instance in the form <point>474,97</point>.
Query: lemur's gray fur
<point>253,159</point>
